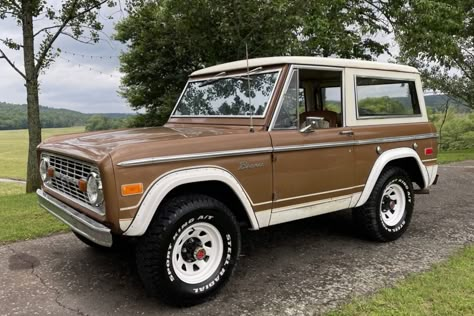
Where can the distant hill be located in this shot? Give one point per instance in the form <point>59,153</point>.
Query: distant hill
<point>13,116</point>
<point>438,101</point>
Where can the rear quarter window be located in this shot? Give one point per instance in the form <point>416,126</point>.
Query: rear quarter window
<point>378,97</point>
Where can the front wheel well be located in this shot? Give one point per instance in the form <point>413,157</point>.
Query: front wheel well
<point>218,190</point>
<point>410,165</point>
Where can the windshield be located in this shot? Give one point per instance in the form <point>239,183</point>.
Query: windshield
<point>227,96</point>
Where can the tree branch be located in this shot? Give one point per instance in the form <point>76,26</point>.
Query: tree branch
<point>45,29</point>
<point>90,41</point>
<point>71,17</point>
<point>3,56</point>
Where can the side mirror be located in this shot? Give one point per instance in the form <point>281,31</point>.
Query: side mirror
<point>312,123</point>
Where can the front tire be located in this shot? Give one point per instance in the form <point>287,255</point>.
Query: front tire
<point>189,250</point>
<point>388,211</point>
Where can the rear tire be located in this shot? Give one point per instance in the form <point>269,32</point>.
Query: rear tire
<point>189,250</point>
<point>388,211</point>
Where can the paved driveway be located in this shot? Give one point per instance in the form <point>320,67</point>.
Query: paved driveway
<point>300,268</point>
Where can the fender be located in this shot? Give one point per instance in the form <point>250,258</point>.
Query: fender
<point>382,161</point>
<point>173,179</point>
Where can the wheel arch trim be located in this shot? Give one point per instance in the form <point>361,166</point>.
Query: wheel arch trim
<point>171,180</point>
<point>385,158</point>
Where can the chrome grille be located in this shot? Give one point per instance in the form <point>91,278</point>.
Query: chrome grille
<point>67,173</point>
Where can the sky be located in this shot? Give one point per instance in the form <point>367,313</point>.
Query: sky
<point>84,78</point>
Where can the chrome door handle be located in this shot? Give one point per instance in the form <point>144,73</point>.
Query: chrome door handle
<point>347,132</point>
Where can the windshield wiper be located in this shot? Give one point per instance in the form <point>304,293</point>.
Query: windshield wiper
<point>239,77</point>
<point>213,79</point>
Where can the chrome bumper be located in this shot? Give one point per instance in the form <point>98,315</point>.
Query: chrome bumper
<point>79,222</point>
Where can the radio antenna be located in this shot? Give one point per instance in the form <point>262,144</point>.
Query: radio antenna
<point>248,87</point>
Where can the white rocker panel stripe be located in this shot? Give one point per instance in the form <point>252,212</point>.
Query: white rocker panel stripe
<point>382,161</point>
<point>165,184</point>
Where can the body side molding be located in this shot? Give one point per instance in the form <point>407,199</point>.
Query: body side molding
<point>168,182</point>
<point>382,161</point>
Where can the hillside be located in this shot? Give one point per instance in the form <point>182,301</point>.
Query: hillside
<point>13,116</point>
<point>438,101</point>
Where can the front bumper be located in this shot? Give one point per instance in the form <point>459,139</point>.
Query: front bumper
<point>80,223</point>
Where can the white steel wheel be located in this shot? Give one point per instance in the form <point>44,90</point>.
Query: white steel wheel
<point>392,205</point>
<point>197,253</point>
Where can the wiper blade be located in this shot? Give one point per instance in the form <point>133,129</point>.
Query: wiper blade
<point>238,77</point>
<point>213,79</point>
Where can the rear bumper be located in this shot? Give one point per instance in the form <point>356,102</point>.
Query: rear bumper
<point>80,223</point>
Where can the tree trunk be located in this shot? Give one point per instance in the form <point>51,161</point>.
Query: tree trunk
<point>34,126</point>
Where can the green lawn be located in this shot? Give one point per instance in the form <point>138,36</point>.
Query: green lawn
<point>458,155</point>
<point>21,217</point>
<point>14,146</point>
<point>446,289</point>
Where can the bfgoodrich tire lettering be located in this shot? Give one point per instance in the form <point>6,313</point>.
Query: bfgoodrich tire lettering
<point>388,211</point>
<point>189,251</point>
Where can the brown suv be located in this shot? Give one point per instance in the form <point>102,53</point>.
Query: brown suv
<point>249,144</point>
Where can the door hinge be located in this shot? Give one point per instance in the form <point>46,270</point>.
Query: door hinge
<point>274,157</point>
<point>274,196</point>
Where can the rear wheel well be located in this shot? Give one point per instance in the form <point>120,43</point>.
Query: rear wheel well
<point>410,165</point>
<point>218,190</point>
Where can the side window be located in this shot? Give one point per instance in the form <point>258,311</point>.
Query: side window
<point>331,99</point>
<point>386,97</point>
<point>288,115</point>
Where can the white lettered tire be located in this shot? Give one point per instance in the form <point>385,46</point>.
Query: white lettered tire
<point>388,211</point>
<point>189,251</point>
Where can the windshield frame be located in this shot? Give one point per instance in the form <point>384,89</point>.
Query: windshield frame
<point>239,73</point>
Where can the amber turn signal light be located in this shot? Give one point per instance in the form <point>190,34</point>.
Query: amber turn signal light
<point>82,184</point>
<point>50,172</point>
<point>132,189</point>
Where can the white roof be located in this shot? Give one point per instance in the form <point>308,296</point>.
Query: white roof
<point>303,60</point>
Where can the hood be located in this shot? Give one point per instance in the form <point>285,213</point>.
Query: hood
<point>97,145</point>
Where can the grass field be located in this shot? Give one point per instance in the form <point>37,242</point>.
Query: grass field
<point>447,289</point>
<point>21,217</point>
<point>14,147</point>
<point>457,155</point>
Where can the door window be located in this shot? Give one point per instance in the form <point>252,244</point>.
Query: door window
<point>288,115</point>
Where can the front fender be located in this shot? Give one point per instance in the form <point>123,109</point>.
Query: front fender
<point>172,180</point>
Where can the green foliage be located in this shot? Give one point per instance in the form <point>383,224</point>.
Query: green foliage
<point>167,40</point>
<point>13,116</point>
<point>100,122</point>
<point>436,37</point>
<point>381,106</point>
<point>457,132</point>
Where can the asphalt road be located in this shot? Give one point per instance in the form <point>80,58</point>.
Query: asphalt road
<point>300,268</point>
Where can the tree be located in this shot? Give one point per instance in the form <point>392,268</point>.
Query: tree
<point>169,39</point>
<point>437,37</point>
<point>72,19</point>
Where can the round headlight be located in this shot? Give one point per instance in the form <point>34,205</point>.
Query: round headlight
<point>43,168</point>
<point>94,189</point>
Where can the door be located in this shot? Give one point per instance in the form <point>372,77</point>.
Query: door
<point>313,171</point>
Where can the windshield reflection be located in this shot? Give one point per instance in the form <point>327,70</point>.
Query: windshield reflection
<point>227,96</point>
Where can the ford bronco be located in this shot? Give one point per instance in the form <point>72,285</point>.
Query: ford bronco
<point>250,143</point>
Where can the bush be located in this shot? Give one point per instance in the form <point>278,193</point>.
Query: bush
<point>457,132</point>
<point>100,122</point>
